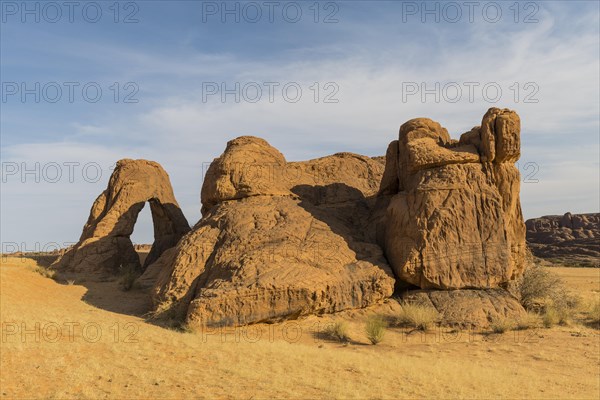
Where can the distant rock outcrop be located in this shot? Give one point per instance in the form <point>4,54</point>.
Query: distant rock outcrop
<point>105,243</point>
<point>454,219</point>
<point>277,240</point>
<point>570,239</point>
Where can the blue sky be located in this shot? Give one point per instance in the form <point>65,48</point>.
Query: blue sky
<point>548,52</point>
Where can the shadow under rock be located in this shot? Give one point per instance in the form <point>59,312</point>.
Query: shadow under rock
<point>346,211</point>
<point>106,292</point>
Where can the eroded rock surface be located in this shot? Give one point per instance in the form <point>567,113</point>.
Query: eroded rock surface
<point>455,220</point>
<point>105,243</point>
<point>469,308</point>
<point>277,240</point>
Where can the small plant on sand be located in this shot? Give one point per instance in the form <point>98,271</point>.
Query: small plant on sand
<point>528,321</point>
<point>169,315</point>
<point>564,314</point>
<point>128,273</point>
<point>70,282</point>
<point>185,328</point>
<point>550,317</point>
<point>375,328</point>
<point>46,272</point>
<point>594,312</point>
<point>556,315</point>
<point>337,331</point>
<point>418,316</point>
<point>501,325</point>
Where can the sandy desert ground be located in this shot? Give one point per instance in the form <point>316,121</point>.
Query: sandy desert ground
<point>90,340</point>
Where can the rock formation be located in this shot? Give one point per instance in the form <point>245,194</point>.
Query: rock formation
<point>104,244</point>
<point>571,239</point>
<point>277,240</point>
<point>454,220</point>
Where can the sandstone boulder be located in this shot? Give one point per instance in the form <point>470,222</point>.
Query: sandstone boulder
<point>248,167</point>
<point>455,221</point>
<point>252,167</point>
<point>105,243</point>
<point>277,240</point>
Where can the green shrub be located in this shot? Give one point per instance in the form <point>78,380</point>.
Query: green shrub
<point>418,316</point>
<point>375,328</point>
<point>337,331</point>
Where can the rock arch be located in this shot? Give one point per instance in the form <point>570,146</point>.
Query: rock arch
<point>105,242</point>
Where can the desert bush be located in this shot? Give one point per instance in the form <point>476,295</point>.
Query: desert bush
<point>538,285</point>
<point>337,331</point>
<point>501,325</point>
<point>70,282</point>
<point>375,328</point>
<point>128,273</point>
<point>418,316</point>
<point>542,291</point>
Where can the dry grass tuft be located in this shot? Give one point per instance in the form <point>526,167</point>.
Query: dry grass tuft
<point>418,316</point>
<point>502,325</point>
<point>550,317</point>
<point>529,321</point>
<point>168,315</point>
<point>45,272</point>
<point>594,312</point>
<point>375,328</point>
<point>186,328</point>
<point>337,331</point>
